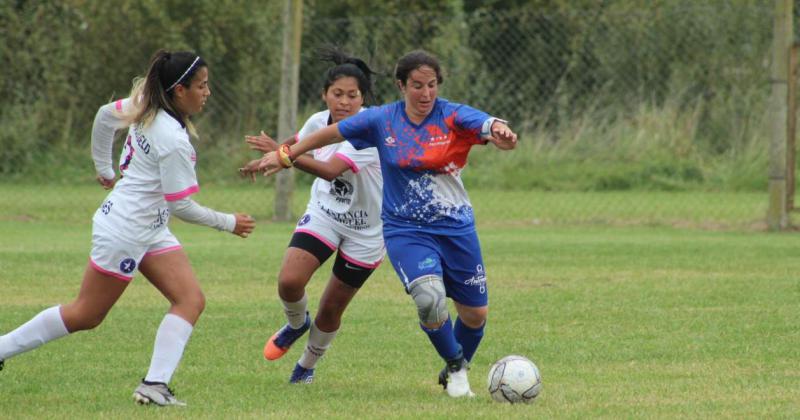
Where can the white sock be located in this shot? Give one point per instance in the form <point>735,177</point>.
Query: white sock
<point>45,326</point>
<point>296,311</point>
<point>318,342</point>
<point>171,339</point>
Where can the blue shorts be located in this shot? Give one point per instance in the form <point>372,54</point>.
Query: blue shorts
<point>456,259</point>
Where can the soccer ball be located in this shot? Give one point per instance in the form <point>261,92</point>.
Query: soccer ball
<point>514,379</point>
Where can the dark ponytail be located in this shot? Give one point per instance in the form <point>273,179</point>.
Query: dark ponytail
<point>347,66</point>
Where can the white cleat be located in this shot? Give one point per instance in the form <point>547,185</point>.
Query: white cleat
<point>458,384</point>
<point>155,393</point>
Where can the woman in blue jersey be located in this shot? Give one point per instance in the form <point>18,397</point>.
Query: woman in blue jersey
<point>130,229</point>
<point>342,216</point>
<point>428,223</point>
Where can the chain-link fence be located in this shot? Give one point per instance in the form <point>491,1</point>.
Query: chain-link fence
<point>626,114</point>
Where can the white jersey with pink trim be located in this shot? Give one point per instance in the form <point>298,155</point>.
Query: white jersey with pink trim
<point>354,198</point>
<point>156,165</point>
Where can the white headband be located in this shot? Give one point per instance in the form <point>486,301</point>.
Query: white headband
<point>184,74</point>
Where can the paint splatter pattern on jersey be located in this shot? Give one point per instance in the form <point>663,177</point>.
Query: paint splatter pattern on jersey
<point>421,163</point>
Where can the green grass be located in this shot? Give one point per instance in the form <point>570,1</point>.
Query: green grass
<point>625,320</point>
<point>697,209</point>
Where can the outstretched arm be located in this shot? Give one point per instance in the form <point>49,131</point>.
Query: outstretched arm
<point>272,163</point>
<point>502,136</point>
<point>189,211</point>
<point>327,170</point>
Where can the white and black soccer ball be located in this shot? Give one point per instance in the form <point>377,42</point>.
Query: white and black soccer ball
<point>514,379</point>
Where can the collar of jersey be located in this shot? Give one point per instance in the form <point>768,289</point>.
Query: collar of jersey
<point>424,121</point>
<point>179,120</point>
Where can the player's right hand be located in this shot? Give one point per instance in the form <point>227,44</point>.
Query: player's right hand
<point>244,225</point>
<point>262,143</point>
<point>106,183</point>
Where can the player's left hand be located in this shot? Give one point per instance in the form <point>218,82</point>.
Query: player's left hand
<point>106,183</point>
<point>502,136</point>
<point>250,169</point>
<point>269,164</point>
<point>262,143</point>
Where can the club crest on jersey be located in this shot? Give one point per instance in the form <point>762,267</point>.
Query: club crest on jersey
<point>342,190</point>
<point>390,141</point>
<point>127,265</point>
<point>303,220</point>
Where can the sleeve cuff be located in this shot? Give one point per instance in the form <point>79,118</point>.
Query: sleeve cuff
<point>107,173</point>
<point>486,129</point>
<point>230,223</point>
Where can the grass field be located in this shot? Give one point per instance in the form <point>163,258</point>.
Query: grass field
<point>626,312</point>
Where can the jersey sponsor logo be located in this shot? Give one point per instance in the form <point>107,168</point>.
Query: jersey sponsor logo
<point>478,280</point>
<point>304,220</point>
<point>442,140</point>
<point>356,220</point>
<point>426,263</point>
<point>127,265</point>
<point>342,191</point>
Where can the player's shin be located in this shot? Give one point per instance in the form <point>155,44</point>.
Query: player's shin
<point>44,327</point>
<point>469,338</point>
<point>171,339</point>
<point>296,311</point>
<point>318,343</point>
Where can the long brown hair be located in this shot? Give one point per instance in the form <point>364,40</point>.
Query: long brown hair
<point>155,90</point>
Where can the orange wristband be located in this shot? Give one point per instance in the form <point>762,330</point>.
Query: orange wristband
<point>284,157</point>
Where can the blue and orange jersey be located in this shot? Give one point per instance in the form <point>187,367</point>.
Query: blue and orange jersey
<point>421,163</point>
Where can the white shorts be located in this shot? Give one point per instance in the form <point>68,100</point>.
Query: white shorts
<point>366,251</point>
<point>115,257</point>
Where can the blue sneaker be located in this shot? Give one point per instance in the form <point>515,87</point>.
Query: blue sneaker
<point>279,343</point>
<point>301,375</point>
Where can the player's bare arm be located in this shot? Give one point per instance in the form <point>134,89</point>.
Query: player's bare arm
<point>272,162</point>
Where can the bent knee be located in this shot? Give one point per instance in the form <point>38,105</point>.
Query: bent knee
<point>430,297</point>
<point>193,303</point>
<point>474,318</point>
<point>80,318</point>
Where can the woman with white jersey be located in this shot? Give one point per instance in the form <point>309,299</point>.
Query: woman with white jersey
<point>342,215</point>
<point>130,232</point>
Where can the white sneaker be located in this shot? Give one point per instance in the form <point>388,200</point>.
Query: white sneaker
<point>155,393</point>
<point>458,384</point>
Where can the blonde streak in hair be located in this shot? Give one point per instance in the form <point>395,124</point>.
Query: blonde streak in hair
<point>144,110</point>
<point>191,129</point>
<point>130,115</point>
